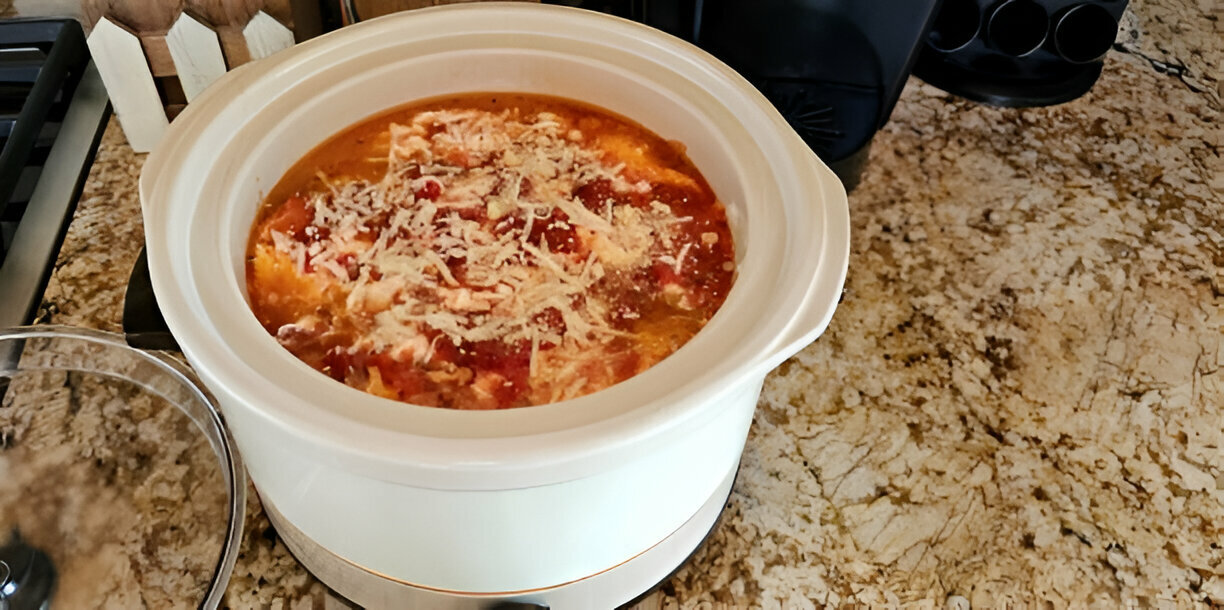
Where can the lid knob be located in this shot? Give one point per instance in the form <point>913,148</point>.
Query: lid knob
<point>27,576</point>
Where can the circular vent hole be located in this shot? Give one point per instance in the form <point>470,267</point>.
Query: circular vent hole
<point>1017,27</point>
<point>956,25</point>
<point>1084,33</point>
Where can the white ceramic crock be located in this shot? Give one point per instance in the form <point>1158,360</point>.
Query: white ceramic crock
<point>524,499</point>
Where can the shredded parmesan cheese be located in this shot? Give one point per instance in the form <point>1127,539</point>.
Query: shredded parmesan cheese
<point>413,251</point>
<point>475,233</point>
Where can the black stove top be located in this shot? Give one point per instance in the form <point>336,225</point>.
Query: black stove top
<point>53,109</point>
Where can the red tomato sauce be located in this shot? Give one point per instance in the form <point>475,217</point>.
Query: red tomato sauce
<point>402,256</point>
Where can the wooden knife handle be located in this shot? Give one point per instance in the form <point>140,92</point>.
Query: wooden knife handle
<point>157,16</point>
<point>137,15</point>
<point>239,12</point>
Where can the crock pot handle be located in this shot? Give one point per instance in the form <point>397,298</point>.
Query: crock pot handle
<point>825,290</point>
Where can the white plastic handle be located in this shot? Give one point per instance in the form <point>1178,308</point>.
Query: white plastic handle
<point>824,292</point>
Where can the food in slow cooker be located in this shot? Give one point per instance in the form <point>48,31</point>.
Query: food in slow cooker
<point>489,251</point>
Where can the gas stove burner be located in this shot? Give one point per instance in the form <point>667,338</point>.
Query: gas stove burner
<point>53,109</point>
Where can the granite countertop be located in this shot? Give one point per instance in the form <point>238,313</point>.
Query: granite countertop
<point>1020,401</point>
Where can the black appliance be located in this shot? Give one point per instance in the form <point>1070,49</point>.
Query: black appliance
<point>1019,52</point>
<point>835,68</point>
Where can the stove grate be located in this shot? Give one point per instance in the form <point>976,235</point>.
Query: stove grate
<point>53,109</point>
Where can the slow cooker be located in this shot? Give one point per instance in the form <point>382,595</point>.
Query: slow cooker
<point>582,503</point>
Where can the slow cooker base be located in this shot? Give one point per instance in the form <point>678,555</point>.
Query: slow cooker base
<point>607,589</point>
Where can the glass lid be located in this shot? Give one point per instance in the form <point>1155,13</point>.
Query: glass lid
<point>119,486</point>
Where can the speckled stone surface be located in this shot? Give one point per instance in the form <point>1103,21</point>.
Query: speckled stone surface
<point>102,243</point>
<point>1020,402</point>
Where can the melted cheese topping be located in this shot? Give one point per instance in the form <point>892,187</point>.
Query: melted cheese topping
<point>491,237</point>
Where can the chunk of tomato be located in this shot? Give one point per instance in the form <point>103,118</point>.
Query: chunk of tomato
<point>665,274</point>
<point>291,218</point>
<point>510,361</point>
<point>430,190</point>
<point>556,231</point>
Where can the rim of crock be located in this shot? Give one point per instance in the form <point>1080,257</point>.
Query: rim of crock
<point>203,414</point>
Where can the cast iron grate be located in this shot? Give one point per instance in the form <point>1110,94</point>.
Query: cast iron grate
<point>42,168</point>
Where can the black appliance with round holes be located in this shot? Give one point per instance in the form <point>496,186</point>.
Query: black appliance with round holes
<point>1019,52</point>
